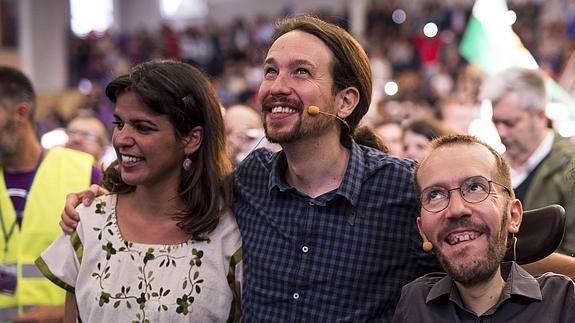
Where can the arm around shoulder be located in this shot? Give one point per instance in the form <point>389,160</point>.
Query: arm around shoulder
<point>556,262</point>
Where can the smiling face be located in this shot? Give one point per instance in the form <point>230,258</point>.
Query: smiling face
<point>296,75</point>
<point>469,239</point>
<point>145,143</point>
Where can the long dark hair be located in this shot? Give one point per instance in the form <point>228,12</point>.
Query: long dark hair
<point>184,94</point>
<point>349,68</point>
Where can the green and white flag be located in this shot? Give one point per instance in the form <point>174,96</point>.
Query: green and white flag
<point>490,43</point>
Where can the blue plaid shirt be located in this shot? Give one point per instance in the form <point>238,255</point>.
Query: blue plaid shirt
<point>340,257</point>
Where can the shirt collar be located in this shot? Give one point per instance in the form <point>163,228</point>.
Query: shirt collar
<point>350,187</point>
<point>442,287</point>
<point>518,175</point>
<point>519,282</point>
<point>278,167</point>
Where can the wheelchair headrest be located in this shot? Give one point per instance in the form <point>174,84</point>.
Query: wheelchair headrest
<point>540,234</point>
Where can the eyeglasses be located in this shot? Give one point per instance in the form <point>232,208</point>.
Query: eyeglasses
<point>88,135</point>
<point>473,190</point>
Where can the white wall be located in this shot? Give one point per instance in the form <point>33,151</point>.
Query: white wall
<point>42,31</point>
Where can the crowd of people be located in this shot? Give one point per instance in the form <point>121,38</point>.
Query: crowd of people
<point>428,70</point>
<point>327,225</point>
<point>434,81</point>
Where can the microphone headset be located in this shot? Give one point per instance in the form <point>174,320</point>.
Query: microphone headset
<point>313,110</point>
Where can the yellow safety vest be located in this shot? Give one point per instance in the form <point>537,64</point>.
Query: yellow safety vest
<point>62,171</point>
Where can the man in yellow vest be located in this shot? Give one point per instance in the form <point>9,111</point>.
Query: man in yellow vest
<point>33,186</point>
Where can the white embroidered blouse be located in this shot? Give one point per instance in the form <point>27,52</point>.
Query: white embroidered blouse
<point>115,280</point>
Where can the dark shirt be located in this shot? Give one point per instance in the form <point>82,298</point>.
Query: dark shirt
<point>435,298</point>
<point>340,257</point>
<point>521,190</point>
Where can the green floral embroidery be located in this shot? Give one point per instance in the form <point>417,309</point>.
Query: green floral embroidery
<point>100,209</point>
<point>109,249</point>
<point>187,299</point>
<point>145,293</point>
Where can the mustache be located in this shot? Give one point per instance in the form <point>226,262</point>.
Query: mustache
<point>461,223</point>
<point>274,100</point>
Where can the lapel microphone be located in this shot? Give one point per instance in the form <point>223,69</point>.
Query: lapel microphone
<point>313,110</point>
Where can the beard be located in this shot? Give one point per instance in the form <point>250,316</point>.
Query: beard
<point>299,130</point>
<point>477,270</point>
<point>294,134</point>
<point>8,140</point>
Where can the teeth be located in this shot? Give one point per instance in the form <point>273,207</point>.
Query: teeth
<point>283,110</point>
<point>460,237</point>
<point>130,159</point>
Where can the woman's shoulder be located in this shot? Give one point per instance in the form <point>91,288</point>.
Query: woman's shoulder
<point>227,227</point>
<point>226,236</point>
<point>100,210</point>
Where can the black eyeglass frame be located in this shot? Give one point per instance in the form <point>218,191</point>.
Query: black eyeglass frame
<point>462,194</point>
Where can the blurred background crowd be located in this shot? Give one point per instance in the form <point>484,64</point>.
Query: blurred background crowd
<point>423,87</point>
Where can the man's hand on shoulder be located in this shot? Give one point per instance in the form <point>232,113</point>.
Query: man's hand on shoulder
<point>70,217</point>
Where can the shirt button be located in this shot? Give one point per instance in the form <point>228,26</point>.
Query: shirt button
<point>305,249</point>
<point>295,296</point>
